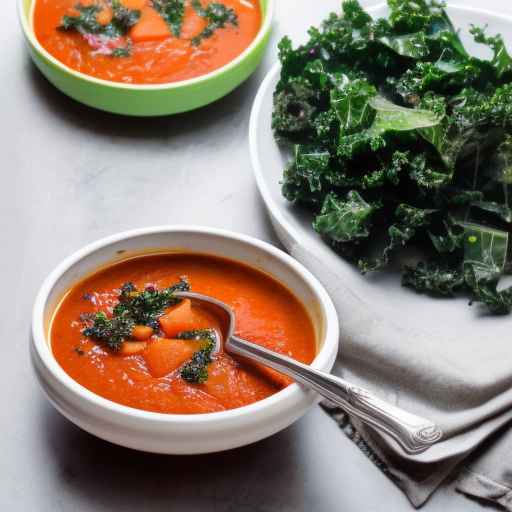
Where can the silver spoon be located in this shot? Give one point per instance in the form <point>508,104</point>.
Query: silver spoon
<point>413,433</point>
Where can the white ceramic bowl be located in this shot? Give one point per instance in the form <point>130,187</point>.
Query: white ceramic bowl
<point>175,433</point>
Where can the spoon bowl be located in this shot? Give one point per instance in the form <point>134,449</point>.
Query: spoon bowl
<point>413,433</point>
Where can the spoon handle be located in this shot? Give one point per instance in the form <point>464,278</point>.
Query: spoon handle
<point>413,433</point>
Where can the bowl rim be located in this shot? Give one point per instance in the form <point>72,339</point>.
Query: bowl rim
<point>26,25</point>
<point>290,394</point>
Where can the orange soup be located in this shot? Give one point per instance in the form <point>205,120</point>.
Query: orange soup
<point>122,334</point>
<point>146,41</point>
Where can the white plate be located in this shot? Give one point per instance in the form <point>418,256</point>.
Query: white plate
<point>381,294</point>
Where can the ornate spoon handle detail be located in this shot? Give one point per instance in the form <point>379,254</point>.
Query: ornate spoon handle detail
<point>413,433</point>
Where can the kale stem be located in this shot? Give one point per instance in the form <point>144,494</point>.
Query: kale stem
<point>475,178</point>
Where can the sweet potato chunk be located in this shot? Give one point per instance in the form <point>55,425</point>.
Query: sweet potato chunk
<point>178,318</point>
<point>142,332</point>
<point>130,348</point>
<point>165,355</point>
<point>104,17</point>
<point>150,27</point>
<point>193,24</point>
<point>136,5</point>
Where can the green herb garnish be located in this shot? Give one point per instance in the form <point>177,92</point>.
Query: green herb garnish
<point>122,20</point>
<point>173,12</point>
<point>86,21</point>
<point>217,15</point>
<point>101,37</point>
<point>112,332</point>
<point>402,139</point>
<point>196,370</point>
<point>134,308</point>
<point>146,306</point>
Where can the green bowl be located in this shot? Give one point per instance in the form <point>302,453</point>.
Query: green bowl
<point>147,100</point>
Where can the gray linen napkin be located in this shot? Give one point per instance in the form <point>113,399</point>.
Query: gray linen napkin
<point>468,392</point>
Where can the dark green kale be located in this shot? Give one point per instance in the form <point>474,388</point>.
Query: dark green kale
<point>173,12</point>
<point>122,20</point>
<point>485,257</point>
<point>295,108</point>
<point>196,370</point>
<point>217,15</point>
<point>401,139</point>
<point>134,308</point>
<point>109,39</point>
<point>344,220</point>
<point>434,278</point>
<point>146,306</point>
<point>501,60</point>
<point>112,332</point>
<point>85,22</point>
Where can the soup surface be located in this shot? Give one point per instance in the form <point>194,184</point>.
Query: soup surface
<point>146,41</point>
<point>162,362</point>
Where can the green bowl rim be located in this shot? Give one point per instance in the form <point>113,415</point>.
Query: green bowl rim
<point>260,37</point>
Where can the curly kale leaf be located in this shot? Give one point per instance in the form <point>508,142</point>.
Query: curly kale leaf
<point>354,14</point>
<point>426,175</point>
<point>172,12</point>
<point>295,107</point>
<point>502,163</point>
<point>501,60</point>
<point>450,135</point>
<point>196,370</point>
<point>449,240</point>
<point>485,257</point>
<point>409,45</point>
<point>394,116</point>
<point>501,210</point>
<point>484,110</point>
<point>357,109</point>
<point>408,219</point>
<point>344,220</point>
<point>445,76</point>
<point>312,165</point>
<point>433,278</point>
<point>413,15</point>
<point>390,172</point>
<point>351,104</point>
<point>310,174</point>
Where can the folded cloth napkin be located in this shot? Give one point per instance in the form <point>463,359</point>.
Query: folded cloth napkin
<point>466,388</point>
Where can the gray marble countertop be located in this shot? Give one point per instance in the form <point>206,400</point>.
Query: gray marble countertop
<point>72,175</point>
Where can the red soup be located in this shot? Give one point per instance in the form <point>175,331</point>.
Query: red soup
<point>146,41</point>
<point>122,334</point>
